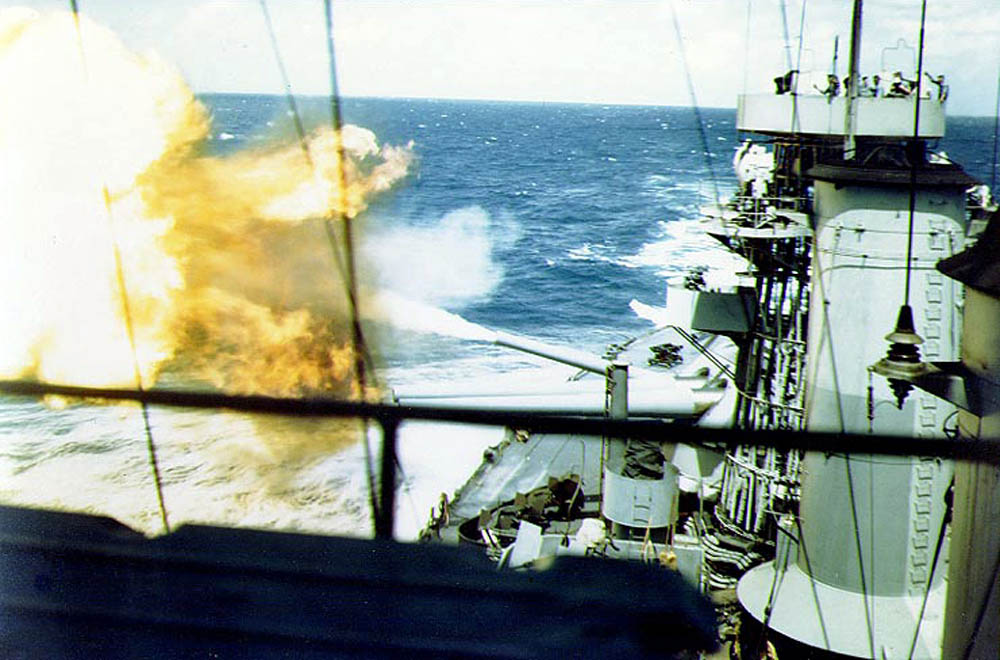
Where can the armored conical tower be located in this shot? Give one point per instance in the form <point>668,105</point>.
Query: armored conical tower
<point>854,566</point>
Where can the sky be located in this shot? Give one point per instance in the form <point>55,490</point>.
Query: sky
<point>594,51</point>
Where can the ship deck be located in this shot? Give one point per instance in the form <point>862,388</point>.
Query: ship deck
<point>523,461</point>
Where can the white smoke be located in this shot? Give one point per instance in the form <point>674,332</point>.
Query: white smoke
<point>409,314</point>
<point>450,263</point>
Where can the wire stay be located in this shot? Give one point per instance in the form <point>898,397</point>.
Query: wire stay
<point>126,310</point>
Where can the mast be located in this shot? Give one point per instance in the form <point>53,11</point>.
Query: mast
<point>851,92</point>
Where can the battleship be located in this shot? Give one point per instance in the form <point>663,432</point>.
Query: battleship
<point>856,524</point>
<point>854,232</point>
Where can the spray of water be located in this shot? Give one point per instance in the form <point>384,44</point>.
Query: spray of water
<point>420,269</point>
<point>657,315</point>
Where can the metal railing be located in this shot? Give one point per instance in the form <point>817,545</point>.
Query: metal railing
<point>758,212</point>
<point>389,417</point>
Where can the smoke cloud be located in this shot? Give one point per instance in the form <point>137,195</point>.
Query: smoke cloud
<point>229,276</point>
<point>464,244</point>
<point>413,315</point>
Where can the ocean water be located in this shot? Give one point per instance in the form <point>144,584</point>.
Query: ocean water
<point>539,219</point>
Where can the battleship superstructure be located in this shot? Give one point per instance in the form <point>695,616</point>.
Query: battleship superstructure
<point>842,213</point>
<point>860,561</point>
<point>881,214</point>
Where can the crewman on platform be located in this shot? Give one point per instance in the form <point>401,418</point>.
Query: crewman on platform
<point>832,86</point>
<point>877,90</point>
<point>941,86</point>
<point>900,86</point>
<point>786,83</point>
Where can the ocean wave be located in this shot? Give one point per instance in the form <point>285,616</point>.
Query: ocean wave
<point>683,245</point>
<point>679,246</point>
<point>597,253</point>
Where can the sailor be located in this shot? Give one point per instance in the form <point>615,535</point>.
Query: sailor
<point>941,86</point>
<point>785,84</point>
<point>899,86</point>
<point>876,90</point>
<point>979,196</point>
<point>865,88</point>
<point>832,86</point>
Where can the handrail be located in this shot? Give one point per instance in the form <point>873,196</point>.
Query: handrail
<point>390,416</point>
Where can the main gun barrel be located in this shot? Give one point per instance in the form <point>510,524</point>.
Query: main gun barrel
<point>572,357</point>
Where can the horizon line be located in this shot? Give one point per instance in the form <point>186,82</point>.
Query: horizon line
<point>633,104</point>
<point>469,99</point>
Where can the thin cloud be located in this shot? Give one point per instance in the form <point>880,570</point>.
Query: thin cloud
<point>545,50</point>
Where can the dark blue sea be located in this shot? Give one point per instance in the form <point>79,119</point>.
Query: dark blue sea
<point>539,219</point>
<point>578,205</point>
<point>583,207</point>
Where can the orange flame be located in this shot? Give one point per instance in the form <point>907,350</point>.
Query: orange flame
<point>228,274</point>
<point>245,348</point>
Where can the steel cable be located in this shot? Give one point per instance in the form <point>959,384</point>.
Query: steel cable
<point>126,309</point>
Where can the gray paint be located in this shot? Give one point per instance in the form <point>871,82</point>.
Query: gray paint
<point>815,114</point>
<point>869,524</point>
<point>972,582</point>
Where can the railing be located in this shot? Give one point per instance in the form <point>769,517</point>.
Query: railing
<point>758,212</point>
<point>389,417</point>
<point>815,114</point>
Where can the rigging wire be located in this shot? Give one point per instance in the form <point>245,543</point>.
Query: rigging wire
<point>127,311</point>
<point>292,105</point>
<point>873,570</point>
<point>858,547</point>
<point>351,271</point>
<point>996,136</point>
<point>812,581</point>
<point>746,47</point>
<point>988,593</point>
<point>983,608</point>
<point>303,141</point>
<point>130,329</point>
<point>825,337</point>
<point>802,31</point>
<point>798,68</point>
<point>914,152</point>
<point>769,606</point>
<point>784,31</point>
<point>711,357</point>
<point>342,269</point>
<point>357,336</point>
<point>695,108</point>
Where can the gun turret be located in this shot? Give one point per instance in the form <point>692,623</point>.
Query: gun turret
<point>648,395</point>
